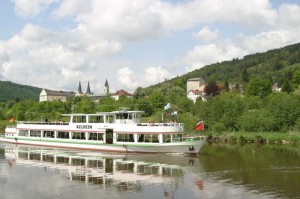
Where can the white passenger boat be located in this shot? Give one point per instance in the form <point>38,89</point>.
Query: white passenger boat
<point>119,131</point>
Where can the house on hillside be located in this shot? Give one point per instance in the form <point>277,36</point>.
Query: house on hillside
<point>50,95</point>
<point>195,94</point>
<point>195,84</point>
<point>117,94</point>
<point>195,89</point>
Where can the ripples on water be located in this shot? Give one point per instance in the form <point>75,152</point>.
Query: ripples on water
<point>29,172</point>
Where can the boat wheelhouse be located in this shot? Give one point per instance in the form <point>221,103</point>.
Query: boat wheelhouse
<point>120,131</point>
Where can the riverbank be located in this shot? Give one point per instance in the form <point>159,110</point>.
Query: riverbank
<point>254,137</point>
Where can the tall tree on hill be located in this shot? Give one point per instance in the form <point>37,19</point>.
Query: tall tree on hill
<point>259,87</point>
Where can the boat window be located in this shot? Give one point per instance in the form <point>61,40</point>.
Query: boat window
<point>63,135</point>
<point>78,135</point>
<point>34,133</point>
<point>96,119</point>
<point>128,167</point>
<point>34,156</point>
<point>177,137</point>
<point>48,134</point>
<point>167,137</point>
<point>96,136</point>
<point>23,155</point>
<point>77,162</point>
<point>48,158</point>
<point>148,138</point>
<point>62,160</point>
<point>79,119</point>
<point>23,133</point>
<point>95,163</point>
<point>125,138</point>
<point>141,138</point>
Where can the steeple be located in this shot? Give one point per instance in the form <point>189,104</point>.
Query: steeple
<point>79,91</point>
<point>88,90</point>
<point>106,87</point>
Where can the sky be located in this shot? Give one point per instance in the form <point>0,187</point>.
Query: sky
<point>54,44</point>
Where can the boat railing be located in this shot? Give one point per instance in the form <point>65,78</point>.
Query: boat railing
<point>161,124</point>
<point>43,123</point>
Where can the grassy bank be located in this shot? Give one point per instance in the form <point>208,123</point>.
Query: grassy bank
<point>253,137</point>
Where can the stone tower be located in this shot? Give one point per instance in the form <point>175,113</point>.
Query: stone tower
<point>106,87</point>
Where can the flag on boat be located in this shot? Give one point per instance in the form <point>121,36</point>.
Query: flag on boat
<point>167,107</point>
<point>199,126</point>
<point>11,119</point>
<point>174,113</point>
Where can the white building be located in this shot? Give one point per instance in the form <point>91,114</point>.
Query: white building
<point>195,89</point>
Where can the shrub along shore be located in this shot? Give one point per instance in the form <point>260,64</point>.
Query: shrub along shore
<point>292,138</point>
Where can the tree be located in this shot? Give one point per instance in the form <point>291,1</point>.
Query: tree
<point>286,86</point>
<point>212,89</point>
<point>139,93</point>
<point>245,76</point>
<point>158,99</point>
<point>259,87</point>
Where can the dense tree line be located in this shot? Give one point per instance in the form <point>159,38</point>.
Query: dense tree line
<point>227,112</point>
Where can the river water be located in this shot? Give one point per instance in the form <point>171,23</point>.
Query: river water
<point>220,171</point>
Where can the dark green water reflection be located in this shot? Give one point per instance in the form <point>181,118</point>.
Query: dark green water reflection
<point>266,168</point>
<point>220,171</point>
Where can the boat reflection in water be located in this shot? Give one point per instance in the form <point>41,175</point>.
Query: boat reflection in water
<point>120,171</point>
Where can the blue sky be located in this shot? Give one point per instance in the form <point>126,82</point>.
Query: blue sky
<point>55,44</point>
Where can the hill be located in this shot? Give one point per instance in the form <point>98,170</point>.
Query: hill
<point>12,91</point>
<point>276,65</point>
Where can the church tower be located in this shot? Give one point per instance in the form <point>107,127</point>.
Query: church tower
<point>88,90</point>
<point>79,91</point>
<point>106,87</point>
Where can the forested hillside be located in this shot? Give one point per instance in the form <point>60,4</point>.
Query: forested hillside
<point>16,92</point>
<point>276,65</point>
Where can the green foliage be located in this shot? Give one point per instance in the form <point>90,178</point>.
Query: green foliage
<point>16,92</point>
<point>158,99</point>
<point>285,110</point>
<point>259,87</point>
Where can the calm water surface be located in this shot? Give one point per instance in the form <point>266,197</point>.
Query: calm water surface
<point>220,171</point>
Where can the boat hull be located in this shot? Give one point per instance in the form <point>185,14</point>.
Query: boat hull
<point>190,147</point>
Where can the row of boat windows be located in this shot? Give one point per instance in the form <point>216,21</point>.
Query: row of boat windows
<point>108,164</point>
<point>100,136</point>
<point>102,119</point>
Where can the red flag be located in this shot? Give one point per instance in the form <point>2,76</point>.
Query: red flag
<point>199,126</point>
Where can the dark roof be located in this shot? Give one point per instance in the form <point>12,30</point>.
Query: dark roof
<point>60,93</point>
<point>195,79</point>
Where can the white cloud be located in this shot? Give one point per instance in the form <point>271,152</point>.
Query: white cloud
<point>71,8</point>
<point>25,8</point>
<point>212,53</point>
<point>207,35</point>
<point>154,75</point>
<point>125,77</point>
<point>96,49</point>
